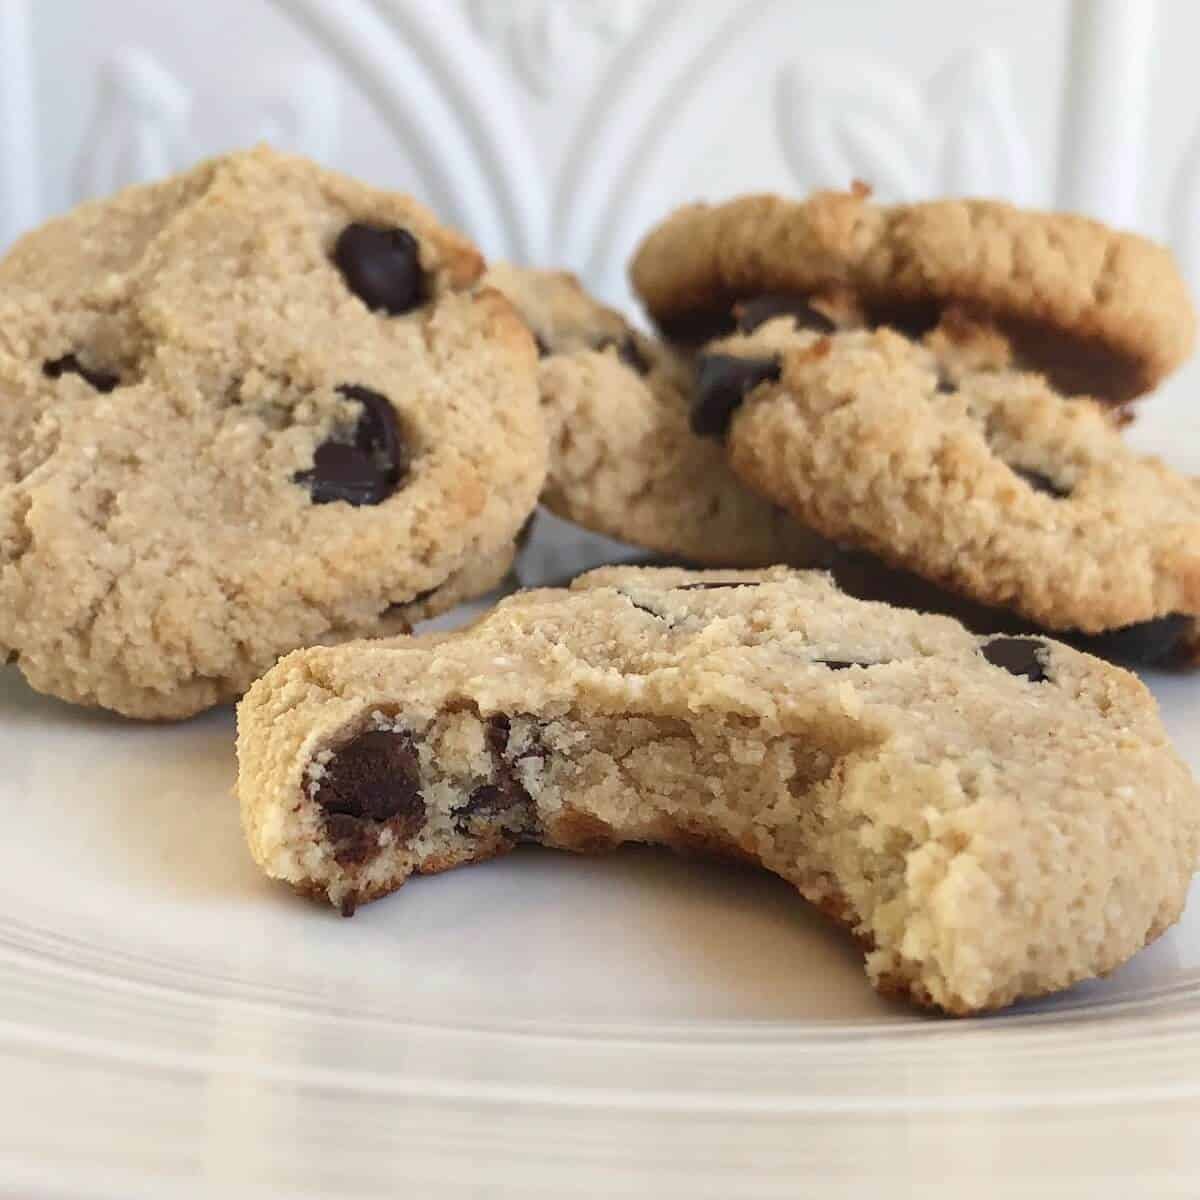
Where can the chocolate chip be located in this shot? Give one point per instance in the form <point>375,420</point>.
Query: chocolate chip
<point>495,734</point>
<point>366,472</point>
<point>374,777</point>
<point>643,608</point>
<point>760,309</point>
<point>1040,482</point>
<point>543,347</point>
<point>102,381</point>
<point>628,351</point>
<point>377,432</point>
<point>724,583</point>
<point>381,266</point>
<point>945,384</point>
<point>1017,656</point>
<point>487,799</point>
<point>342,472</point>
<point>1160,642</point>
<point>722,381</point>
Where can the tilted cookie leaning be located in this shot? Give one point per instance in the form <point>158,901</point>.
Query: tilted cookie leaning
<point>994,818</point>
<point>974,476</point>
<point>1100,312</point>
<point>623,461</point>
<point>253,407</point>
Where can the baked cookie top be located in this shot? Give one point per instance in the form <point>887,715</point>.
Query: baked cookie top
<point>922,784</point>
<point>253,407</point>
<point>978,477</point>
<point>1101,312</point>
<point>623,460</point>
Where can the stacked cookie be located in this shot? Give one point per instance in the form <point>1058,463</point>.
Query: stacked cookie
<point>906,382</point>
<point>254,407</point>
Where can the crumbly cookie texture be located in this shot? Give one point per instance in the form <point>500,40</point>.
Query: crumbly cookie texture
<point>623,460</point>
<point>994,818</point>
<point>985,481</point>
<point>254,407</point>
<point>1101,312</point>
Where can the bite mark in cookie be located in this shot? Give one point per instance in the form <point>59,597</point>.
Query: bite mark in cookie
<point>900,772</point>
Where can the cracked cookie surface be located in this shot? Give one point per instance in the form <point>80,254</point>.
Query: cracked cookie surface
<point>992,817</point>
<point>252,407</point>
<point>623,460</point>
<point>981,479</point>
<point>1101,312</point>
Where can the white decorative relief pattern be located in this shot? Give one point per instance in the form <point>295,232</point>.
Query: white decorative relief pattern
<point>555,131</point>
<point>142,126</point>
<point>540,36</point>
<point>958,135</point>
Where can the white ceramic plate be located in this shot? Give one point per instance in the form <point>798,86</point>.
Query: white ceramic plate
<point>636,1025</point>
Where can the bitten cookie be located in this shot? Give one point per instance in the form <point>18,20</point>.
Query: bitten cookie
<point>623,461</point>
<point>994,818</point>
<point>253,407</point>
<point>983,480</point>
<point>1100,312</point>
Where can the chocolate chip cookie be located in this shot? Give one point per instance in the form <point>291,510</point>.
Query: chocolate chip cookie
<point>924,786</point>
<point>1100,312</point>
<point>977,477</point>
<point>253,407</point>
<point>623,461</point>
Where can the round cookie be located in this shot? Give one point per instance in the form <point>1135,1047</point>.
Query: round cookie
<point>980,479</point>
<point>251,408</point>
<point>1100,312</point>
<point>922,785</point>
<point>623,460</point>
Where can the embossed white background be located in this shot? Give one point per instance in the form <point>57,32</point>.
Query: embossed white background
<point>556,131</point>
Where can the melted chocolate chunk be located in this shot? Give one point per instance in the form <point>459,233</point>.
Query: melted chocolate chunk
<point>1017,656</point>
<point>491,798</point>
<point>722,382</point>
<point>495,734</point>
<point>760,309</point>
<point>368,471</point>
<point>102,381</point>
<point>1040,482</point>
<point>381,266</point>
<point>506,795</point>
<point>543,347</point>
<point>372,779</point>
